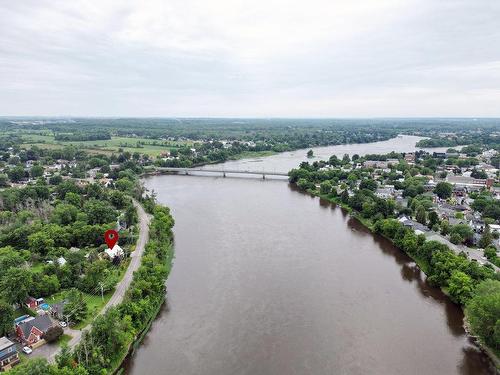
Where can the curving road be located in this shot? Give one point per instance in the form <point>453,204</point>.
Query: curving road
<point>135,258</point>
<point>50,351</point>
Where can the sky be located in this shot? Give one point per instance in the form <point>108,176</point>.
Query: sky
<point>260,58</point>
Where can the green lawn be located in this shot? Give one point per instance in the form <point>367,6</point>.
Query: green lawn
<point>95,302</point>
<point>38,267</point>
<point>35,137</point>
<point>64,339</point>
<point>108,146</point>
<point>48,146</point>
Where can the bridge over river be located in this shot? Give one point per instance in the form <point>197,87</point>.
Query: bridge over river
<point>224,172</point>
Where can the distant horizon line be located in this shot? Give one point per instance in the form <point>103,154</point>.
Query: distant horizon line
<point>252,118</point>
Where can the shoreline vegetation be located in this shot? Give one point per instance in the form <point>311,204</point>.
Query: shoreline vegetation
<point>457,277</point>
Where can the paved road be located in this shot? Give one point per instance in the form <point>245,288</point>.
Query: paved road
<point>476,254</point>
<point>135,258</point>
<point>50,351</point>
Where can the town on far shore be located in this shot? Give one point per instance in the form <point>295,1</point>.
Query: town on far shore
<point>458,192</point>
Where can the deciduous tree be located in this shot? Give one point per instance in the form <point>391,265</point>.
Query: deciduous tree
<point>460,287</point>
<point>483,312</point>
<point>443,190</point>
<point>6,318</point>
<point>15,284</point>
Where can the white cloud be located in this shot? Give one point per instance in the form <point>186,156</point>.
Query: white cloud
<point>259,58</point>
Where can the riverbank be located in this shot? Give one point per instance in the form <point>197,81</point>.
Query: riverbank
<point>130,316</point>
<point>154,270</point>
<point>399,143</point>
<point>421,263</point>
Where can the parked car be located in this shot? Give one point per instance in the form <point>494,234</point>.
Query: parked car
<point>27,350</point>
<point>63,324</point>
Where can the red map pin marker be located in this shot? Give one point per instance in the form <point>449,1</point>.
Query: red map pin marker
<point>111,238</point>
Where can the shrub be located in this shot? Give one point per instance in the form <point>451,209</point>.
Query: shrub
<point>53,333</point>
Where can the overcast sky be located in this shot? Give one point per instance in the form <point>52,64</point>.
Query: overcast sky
<point>260,58</point>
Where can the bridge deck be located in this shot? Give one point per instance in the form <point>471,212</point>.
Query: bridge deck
<point>223,171</point>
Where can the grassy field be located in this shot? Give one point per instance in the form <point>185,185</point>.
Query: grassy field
<point>147,146</point>
<point>94,302</point>
<point>38,267</point>
<point>64,339</point>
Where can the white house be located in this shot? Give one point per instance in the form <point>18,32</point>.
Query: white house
<point>116,251</point>
<point>495,228</point>
<point>61,261</point>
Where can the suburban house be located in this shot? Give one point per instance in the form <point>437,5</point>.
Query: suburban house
<point>410,157</point>
<point>375,164</point>
<point>92,173</point>
<point>56,167</point>
<point>415,225</point>
<point>30,331</point>
<point>430,186</point>
<point>477,225</point>
<point>495,228</point>
<point>406,221</point>
<point>380,164</point>
<point>61,261</point>
<point>8,354</point>
<point>32,303</point>
<point>385,192</point>
<point>459,191</point>
<point>57,310</point>
<point>116,251</point>
<point>105,181</point>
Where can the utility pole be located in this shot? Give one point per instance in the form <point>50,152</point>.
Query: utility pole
<point>102,290</point>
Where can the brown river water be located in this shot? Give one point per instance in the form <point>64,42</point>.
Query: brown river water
<point>268,280</point>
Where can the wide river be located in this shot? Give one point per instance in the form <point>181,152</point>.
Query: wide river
<point>268,280</point>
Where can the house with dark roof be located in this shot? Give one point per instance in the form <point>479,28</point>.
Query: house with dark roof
<point>8,354</point>
<point>31,331</point>
<point>57,310</point>
<point>31,303</point>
